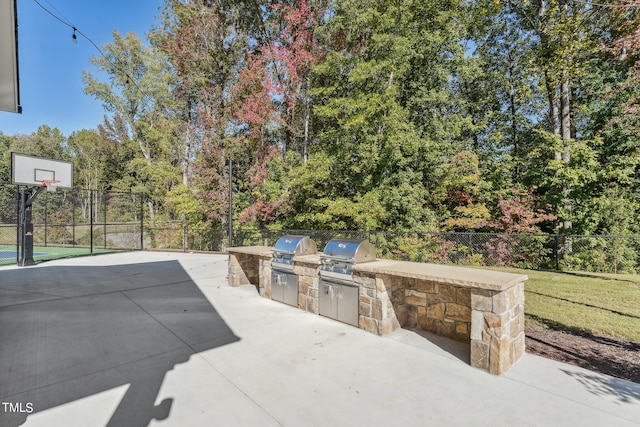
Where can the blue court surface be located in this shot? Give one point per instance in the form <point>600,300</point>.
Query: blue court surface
<point>12,254</point>
<point>43,253</point>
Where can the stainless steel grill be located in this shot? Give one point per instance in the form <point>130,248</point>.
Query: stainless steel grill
<point>338,297</point>
<point>289,246</point>
<point>284,282</point>
<point>340,255</point>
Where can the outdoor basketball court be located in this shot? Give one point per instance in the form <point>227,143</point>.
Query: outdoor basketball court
<point>150,338</point>
<point>9,254</point>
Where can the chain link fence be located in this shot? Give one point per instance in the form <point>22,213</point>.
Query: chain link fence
<point>70,223</point>
<point>81,222</point>
<point>612,254</point>
<point>605,254</point>
<point>608,254</point>
<point>177,235</point>
<point>8,224</point>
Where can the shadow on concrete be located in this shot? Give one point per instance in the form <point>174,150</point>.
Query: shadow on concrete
<point>599,385</point>
<point>460,350</point>
<point>69,333</point>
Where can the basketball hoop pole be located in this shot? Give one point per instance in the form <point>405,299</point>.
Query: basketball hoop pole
<point>27,197</point>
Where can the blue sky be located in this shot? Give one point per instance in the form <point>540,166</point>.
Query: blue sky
<point>51,64</point>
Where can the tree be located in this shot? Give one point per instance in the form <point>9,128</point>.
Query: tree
<point>206,44</point>
<point>503,90</point>
<point>139,93</point>
<point>461,197</point>
<point>398,114</point>
<point>242,80</point>
<point>88,157</point>
<point>294,52</point>
<point>360,121</point>
<point>49,143</point>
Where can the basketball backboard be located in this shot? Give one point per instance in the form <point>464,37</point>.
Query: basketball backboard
<point>32,171</point>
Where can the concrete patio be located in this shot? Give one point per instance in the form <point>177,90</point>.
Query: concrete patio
<point>150,338</point>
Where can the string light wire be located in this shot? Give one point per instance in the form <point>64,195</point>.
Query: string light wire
<point>73,27</point>
<point>609,5</point>
<point>76,30</point>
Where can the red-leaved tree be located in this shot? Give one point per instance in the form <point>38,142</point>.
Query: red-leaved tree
<point>294,52</point>
<point>519,213</point>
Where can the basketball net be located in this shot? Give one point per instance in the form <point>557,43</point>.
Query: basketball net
<point>50,184</point>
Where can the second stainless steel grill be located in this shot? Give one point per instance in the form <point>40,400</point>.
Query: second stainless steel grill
<point>284,282</point>
<point>340,255</point>
<point>338,297</point>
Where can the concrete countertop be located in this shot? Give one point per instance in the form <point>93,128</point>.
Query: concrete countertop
<point>309,259</point>
<point>252,250</point>
<point>460,276</point>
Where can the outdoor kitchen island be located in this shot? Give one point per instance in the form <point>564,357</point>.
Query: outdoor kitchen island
<point>482,307</point>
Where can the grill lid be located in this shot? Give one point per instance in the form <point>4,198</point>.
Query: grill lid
<point>350,250</point>
<point>296,245</point>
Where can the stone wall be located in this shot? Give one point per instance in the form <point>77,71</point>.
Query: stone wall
<point>439,308</point>
<point>388,302</point>
<point>264,269</point>
<point>243,269</point>
<point>491,321</point>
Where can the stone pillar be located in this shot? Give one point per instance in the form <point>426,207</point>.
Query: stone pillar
<point>246,268</point>
<point>376,312</point>
<point>264,285</point>
<point>497,328</point>
<point>237,275</point>
<point>308,283</point>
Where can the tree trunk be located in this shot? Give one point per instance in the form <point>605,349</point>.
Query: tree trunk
<point>185,154</point>
<point>554,113</point>
<point>565,100</point>
<point>513,109</point>
<point>307,120</point>
<point>566,116</point>
<point>152,215</point>
<point>550,84</point>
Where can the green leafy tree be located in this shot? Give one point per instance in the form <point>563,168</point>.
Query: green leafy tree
<point>360,121</point>
<point>139,94</point>
<point>89,152</point>
<point>5,157</point>
<point>461,196</point>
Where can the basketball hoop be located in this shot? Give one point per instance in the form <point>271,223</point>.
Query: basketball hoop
<point>50,184</point>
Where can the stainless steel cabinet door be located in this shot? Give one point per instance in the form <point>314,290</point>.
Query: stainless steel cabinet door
<point>348,304</point>
<point>278,280</point>
<point>327,303</point>
<point>290,292</point>
<point>339,302</point>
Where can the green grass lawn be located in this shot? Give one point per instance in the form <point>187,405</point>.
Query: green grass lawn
<point>598,303</point>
